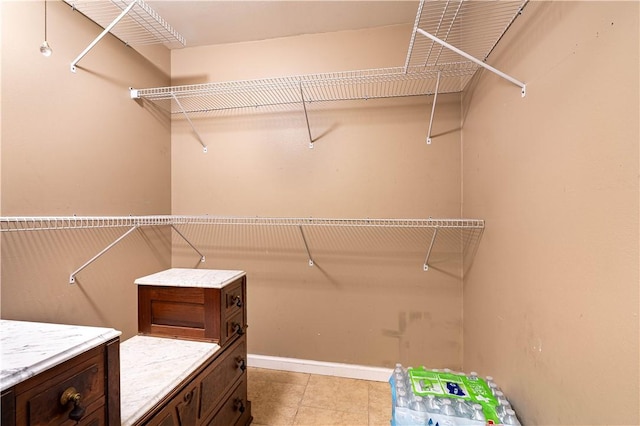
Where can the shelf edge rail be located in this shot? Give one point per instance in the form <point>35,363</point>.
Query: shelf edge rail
<point>49,223</point>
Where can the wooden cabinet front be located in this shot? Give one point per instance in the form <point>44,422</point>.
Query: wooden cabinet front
<point>211,314</point>
<point>92,395</point>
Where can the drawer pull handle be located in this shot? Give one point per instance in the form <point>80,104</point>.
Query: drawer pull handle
<point>73,396</point>
<point>237,300</point>
<point>237,328</point>
<point>242,365</point>
<point>239,404</point>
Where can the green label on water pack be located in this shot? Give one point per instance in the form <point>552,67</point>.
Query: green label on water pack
<point>455,386</point>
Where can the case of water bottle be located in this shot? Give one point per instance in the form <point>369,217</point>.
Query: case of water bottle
<point>423,397</point>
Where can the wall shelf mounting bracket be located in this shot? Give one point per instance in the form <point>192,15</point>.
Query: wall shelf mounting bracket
<point>175,98</point>
<point>306,117</point>
<point>102,34</point>
<point>72,277</point>
<point>475,60</point>
<point>433,109</point>
<point>425,267</point>
<point>202,258</point>
<point>306,246</point>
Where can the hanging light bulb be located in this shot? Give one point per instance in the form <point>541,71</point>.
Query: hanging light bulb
<point>45,49</point>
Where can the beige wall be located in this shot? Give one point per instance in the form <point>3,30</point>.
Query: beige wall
<point>367,300</point>
<point>76,144</point>
<point>551,303</point>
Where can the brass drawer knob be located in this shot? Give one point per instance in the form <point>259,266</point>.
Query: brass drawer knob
<point>71,395</point>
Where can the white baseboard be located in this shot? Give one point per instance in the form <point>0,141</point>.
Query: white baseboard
<point>352,371</point>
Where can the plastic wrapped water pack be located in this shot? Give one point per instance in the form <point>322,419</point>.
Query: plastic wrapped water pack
<point>424,397</point>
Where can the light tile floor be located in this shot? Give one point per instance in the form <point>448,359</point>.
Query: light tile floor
<point>286,398</point>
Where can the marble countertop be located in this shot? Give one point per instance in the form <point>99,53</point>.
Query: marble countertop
<point>152,366</point>
<point>29,348</point>
<point>183,277</point>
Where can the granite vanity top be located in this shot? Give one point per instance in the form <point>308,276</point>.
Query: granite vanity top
<point>29,348</point>
<point>184,277</point>
<point>152,366</point>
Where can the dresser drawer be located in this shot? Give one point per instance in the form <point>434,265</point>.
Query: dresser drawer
<point>233,297</point>
<point>222,376</point>
<point>38,399</point>
<point>234,327</point>
<point>233,408</point>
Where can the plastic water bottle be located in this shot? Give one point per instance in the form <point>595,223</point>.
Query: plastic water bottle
<point>419,414</point>
<point>478,414</point>
<point>503,406</point>
<point>431,403</point>
<point>417,404</point>
<point>402,400</point>
<point>510,418</point>
<point>462,409</point>
<point>493,387</point>
<point>399,375</point>
<point>446,408</point>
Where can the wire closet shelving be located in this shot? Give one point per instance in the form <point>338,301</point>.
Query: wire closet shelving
<point>52,223</point>
<point>450,41</point>
<point>132,21</point>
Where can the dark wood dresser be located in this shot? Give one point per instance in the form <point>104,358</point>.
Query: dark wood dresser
<point>55,374</point>
<point>199,305</point>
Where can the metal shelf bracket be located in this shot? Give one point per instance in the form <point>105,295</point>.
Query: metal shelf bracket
<point>433,109</point>
<point>425,267</point>
<point>102,34</point>
<point>72,277</point>
<point>204,147</point>
<point>306,246</point>
<point>475,60</point>
<point>306,117</point>
<point>202,258</point>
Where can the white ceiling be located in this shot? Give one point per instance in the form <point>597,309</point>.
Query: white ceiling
<point>208,22</point>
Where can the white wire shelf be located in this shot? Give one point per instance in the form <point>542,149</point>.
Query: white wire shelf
<point>53,223</point>
<point>336,86</point>
<point>140,26</point>
<point>475,27</point>
<point>47,223</point>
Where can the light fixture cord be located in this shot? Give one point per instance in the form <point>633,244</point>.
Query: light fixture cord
<point>45,20</point>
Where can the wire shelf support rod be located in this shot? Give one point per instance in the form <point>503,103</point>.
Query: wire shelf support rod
<point>204,147</point>
<point>477,61</point>
<point>102,34</point>
<point>433,109</point>
<point>72,277</point>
